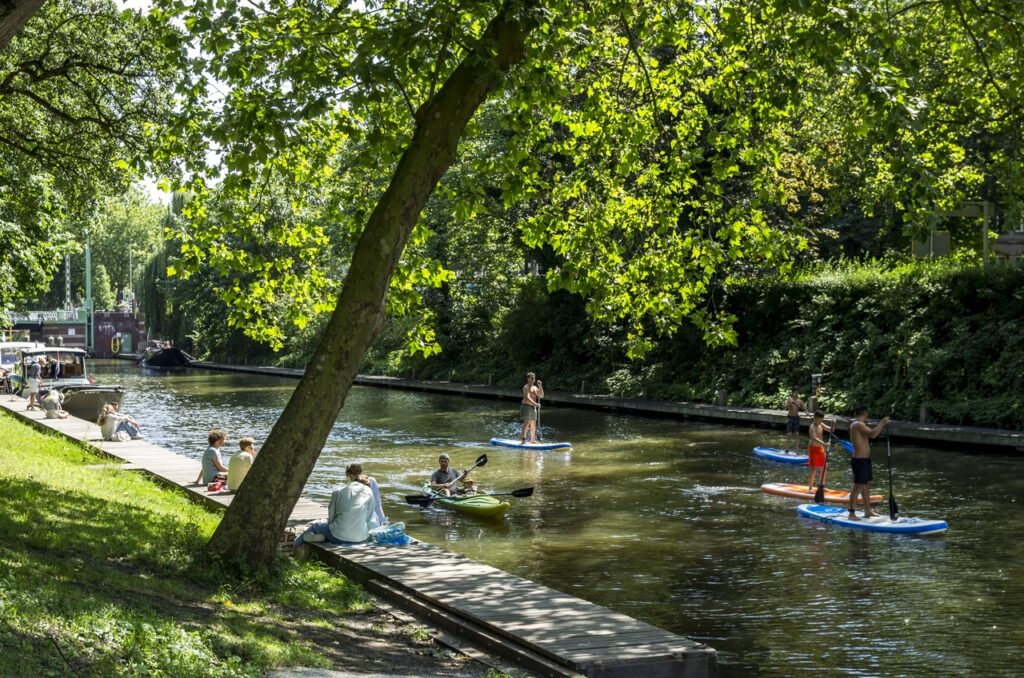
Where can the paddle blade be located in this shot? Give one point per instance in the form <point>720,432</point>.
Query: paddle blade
<point>525,492</point>
<point>819,494</point>
<point>847,445</point>
<point>419,500</point>
<point>894,511</point>
<point>481,460</point>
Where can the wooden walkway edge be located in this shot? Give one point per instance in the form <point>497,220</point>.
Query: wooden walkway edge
<point>546,631</point>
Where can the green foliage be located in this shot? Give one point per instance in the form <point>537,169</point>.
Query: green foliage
<point>83,85</point>
<point>127,592</point>
<point>103,295</point>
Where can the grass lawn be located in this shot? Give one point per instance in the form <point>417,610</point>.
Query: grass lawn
<point>102,574</point>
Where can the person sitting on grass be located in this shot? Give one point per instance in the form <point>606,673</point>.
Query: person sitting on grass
<point>52,405</point>
<point>213,465</point>
<point>240,463</point>
<point>350,513</point>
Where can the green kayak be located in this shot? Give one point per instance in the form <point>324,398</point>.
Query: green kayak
<point>483,505</point>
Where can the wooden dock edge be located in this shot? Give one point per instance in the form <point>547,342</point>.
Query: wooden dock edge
<point>700,661</point>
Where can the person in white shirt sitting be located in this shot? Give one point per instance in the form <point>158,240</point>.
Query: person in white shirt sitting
<point>350,513</point>
<point>240,463</point>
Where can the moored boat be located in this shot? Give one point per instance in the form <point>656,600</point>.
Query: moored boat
<point>165,358</point>
<point>64,369</point>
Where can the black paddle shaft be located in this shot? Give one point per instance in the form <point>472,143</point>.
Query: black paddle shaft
<point>894,511</point>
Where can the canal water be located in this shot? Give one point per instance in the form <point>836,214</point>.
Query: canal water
<point>663,520</point>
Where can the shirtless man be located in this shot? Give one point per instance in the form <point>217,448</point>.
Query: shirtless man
<point>529,406</point>
<point>816,449</point>
<point>862,435</point>
<point>794,406</point>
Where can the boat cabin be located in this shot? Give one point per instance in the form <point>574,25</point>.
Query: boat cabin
<point>57,364</point>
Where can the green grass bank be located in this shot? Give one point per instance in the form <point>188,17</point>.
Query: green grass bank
<point>102,574</point>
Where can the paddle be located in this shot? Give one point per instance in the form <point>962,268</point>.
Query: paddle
<point>524,492</point>
<point>894,511</point>
<point>847,445</point>
<point>819,494</point>
<point>425,500</point>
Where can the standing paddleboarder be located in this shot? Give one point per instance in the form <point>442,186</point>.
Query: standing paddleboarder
<point>794,406</point>
<point>816,448</point>
<point>861,434</point>
<point>529,408</point>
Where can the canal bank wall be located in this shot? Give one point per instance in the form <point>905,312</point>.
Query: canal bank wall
<point>961,438</point>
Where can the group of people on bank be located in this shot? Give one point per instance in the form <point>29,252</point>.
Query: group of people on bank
<point>861,436</point>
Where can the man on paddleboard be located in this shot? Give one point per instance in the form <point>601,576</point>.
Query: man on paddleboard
<point>861,435</point>
<point>816,448</point>
<point>529,406</point>
<point>794,406</point>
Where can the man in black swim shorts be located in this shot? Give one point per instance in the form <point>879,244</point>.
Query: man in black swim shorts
<point>860,463</point>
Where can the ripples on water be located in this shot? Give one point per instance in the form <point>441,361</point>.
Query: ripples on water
<point>663,520</point>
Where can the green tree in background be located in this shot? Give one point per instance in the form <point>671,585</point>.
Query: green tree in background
<point>83,85</point>
<point>103,295</point>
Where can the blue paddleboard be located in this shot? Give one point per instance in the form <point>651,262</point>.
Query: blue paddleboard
<point>836,515</point>
<point>776,454</point>
<point>510,442</point>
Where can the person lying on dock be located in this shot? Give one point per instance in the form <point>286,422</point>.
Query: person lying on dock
<point>240,463</point>
<point>442,480</point>
<point>350,513</point>
<point>213,465</point>
<point>52,405</point>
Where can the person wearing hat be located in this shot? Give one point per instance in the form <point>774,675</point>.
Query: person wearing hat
<point>442,480</point>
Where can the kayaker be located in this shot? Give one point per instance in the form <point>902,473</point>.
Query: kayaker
<point>794,406</point>
<point>816,448</point>
<point>442,480</point>
<point>861,435</point>
<point>529,408</point>
<point>468,488</point>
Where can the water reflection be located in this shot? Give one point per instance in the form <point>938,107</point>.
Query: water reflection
<point>663,520</point>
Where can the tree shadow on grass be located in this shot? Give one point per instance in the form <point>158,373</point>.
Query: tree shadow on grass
<point>94,587</point>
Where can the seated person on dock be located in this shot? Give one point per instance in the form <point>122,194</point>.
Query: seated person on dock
<point>52,405</point>
<point>442,479</point>
<point>240,463</point>
<point>116,426</point>
<point>378,509</point>
<point>213,465</point>
<point>350,513</point>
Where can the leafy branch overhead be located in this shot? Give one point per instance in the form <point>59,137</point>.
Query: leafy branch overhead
<point>658,153</point>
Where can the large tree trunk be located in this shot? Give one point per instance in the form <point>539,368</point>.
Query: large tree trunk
<point>13,16</point>
<point>253,524</point>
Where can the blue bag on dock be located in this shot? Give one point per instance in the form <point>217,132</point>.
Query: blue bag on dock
<point>393,534</point>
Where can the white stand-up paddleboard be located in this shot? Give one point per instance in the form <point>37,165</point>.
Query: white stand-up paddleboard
<point>775,454</point>
<point>835,515</point>
<point>510,442</point>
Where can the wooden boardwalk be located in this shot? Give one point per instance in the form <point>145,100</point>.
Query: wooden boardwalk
<point>546,631</point>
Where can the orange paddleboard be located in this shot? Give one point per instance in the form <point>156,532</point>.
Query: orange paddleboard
<point>798,491</point>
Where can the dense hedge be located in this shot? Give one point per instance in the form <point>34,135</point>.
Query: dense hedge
<point>892,335</point>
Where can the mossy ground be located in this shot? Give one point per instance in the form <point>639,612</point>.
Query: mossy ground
<point>102,574</point>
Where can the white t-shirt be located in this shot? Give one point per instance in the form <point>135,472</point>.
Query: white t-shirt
<point>350,512</point>
<point>109,425</point>
<point>238,468</point>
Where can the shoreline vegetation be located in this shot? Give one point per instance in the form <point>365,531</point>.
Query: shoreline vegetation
<point>103,574</point>
<point>943,335</point>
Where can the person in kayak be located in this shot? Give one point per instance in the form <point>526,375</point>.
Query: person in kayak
<point>442,481</point>
<point>794,406</point>
<point>861,435</point>
<point>528,408</point>
<point>816,448</point>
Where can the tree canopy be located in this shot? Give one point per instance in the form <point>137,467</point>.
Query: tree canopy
<point>83,87</point>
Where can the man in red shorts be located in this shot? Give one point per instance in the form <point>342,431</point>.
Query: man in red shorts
<point>816,450</point>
